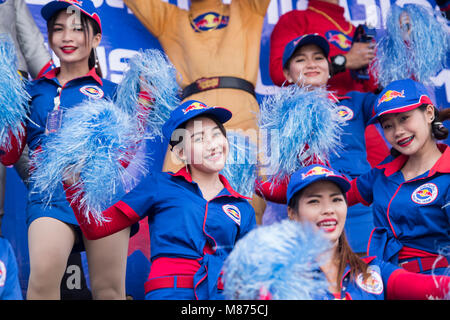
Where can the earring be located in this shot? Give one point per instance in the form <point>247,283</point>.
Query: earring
<point>96,58</point>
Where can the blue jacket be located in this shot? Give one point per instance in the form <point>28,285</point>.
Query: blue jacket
<point>182,223</point>
<point>413,213</point>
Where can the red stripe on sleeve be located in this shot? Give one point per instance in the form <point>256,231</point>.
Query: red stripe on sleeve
<point>119,216</point>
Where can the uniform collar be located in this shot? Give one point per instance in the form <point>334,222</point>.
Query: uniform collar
<point>335,98</point>
<point>51,74</point>
<point>184,173</point>
<point>442,165</point>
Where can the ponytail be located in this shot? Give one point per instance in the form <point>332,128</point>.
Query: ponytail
<point>437,128</point>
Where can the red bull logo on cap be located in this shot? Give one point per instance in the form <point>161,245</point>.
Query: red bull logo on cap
<point>233,213</point>
<point>425,194</point>
<point>339,39</point>
<point>194,106</point>
<point>317,171</point>
<point>391,94</point>
<point>79,2</point>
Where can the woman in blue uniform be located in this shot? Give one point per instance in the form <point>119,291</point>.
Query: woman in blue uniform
<point>305,63</point>
<point>410,190</point>
<point>74,31</point>
<point>195,217</point>
<point>317,194</point>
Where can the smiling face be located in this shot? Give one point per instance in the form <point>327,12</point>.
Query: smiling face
<point>308,66</point>
<point>408,132</point>
<point>70,40</point>
<point>205,147</point>
<point>322,204</point>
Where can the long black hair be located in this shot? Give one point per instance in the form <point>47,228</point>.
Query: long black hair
<point>85,22</point>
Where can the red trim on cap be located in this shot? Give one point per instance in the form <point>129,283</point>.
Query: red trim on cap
<point>424,99</point>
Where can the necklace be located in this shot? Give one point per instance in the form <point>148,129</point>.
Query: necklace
<point>191,21</point>
<point>350,26</point>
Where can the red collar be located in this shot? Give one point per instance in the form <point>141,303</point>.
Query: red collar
<point>183,172</point>
<point>335,98</point>
<point>442,165</point>
<point>51,74</point>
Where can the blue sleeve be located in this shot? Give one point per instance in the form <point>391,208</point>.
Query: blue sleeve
<point>11,287</point>
<point>110,89</point>
<point>35,125</point>
<point>143,197</point>
<point>364,186</point>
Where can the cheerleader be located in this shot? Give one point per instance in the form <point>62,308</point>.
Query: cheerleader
<point>409,191</point>
<point>306,64</point>
<point>195,217</point>
<point>74,31</point>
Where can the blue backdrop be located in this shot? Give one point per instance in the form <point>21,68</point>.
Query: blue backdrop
<point>123,36</point>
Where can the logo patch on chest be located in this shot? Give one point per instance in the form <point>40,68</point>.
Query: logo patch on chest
<point>425,194</point>
<point>373,284</point>
<point>233,213</point>
<point>93,92</point>
<point>345,113</point>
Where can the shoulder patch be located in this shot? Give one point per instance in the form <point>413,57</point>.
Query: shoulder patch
<point>373,284</point>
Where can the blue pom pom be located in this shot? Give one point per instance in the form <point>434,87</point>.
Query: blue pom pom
<point>150,71</point>
<point>241,166</point>
<point>282,258</point>
<point>419,55</point>
<point>303,125</point>
<point>13,96</point>
<point>95,139</point>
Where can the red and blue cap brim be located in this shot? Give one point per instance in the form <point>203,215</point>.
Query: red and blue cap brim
<point>180,116</point>
<point>301,179</point>
<point>410,95</point>
<point>305,39</point>
<point>85,6</point>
